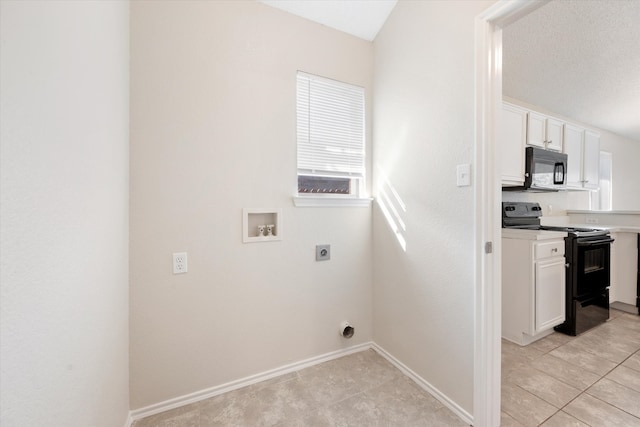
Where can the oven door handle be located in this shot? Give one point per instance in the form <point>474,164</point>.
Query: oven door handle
<point>594,242</point>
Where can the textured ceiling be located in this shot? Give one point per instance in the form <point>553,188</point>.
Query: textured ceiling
<point>361,18</point>
<point>580,59</point>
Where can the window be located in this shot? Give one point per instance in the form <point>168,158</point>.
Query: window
<point>330,134</point>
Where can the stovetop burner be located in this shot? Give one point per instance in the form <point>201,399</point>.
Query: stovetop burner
<point>576,231</point>
<point>526,216</point>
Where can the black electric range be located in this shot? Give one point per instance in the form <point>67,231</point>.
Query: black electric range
<point>588,257</point>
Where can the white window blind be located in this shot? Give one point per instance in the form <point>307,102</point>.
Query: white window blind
<point>330,124</point>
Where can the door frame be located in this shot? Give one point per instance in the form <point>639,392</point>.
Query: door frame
<point>487,199</point>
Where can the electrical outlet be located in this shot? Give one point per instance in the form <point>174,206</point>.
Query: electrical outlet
<point>591,220</point>
<point>179,262</point>
<point>323,252</point>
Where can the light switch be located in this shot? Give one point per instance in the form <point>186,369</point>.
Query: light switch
<point>463,174</point>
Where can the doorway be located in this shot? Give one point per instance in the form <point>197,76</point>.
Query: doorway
<point>488,66</point>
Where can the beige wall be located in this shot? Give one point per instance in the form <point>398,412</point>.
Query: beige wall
<point>213,131</point>
<point>423,128</point>
<point>64,207</point>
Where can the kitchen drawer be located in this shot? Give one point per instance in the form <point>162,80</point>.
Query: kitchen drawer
<point>549,249</point>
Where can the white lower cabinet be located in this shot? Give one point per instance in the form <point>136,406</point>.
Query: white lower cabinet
<point>624,268</point>
<point>550,293</point>
<point>533,287</point>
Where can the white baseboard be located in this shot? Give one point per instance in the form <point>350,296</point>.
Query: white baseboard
<point>296,366</point>
<point>234,385</point>
<point>425,385</point>
<point>129,420</point>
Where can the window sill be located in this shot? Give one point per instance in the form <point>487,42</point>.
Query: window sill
<point>328,201</point>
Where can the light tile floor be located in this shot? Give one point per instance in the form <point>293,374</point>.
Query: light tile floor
<point>562,381</point>
<point>559,381</point>
<point>361,389</point>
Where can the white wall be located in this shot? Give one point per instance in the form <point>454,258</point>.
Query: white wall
<point>213,131</point>
<point>423,128</point>
<point>625,171</point>
<point>554,204</point>
<point>64,208</point>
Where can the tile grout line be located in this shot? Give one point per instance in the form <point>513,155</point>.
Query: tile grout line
<point>618,364</point>
<point>528,363</point>
<point>599,379</point>
<point>585,391</point>
<point>629,357</point>
<point>533,394</point>
<point>607,403</point>
<point>594,354</point>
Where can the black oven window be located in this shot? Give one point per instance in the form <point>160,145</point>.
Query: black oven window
<point>594,260</point>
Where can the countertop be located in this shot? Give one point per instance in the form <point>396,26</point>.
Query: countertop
<point>515,233</point>
<point>604,212</point>
<point>611,228</point>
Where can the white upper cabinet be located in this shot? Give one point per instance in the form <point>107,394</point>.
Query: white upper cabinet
<point>582,148</point>
<point>511,137</point>
<point>554,134</point>
<point>591,160</point>
<point>536,134</point>
<point>573,139</point>
<point>519,127</point>
<point>544,132</point>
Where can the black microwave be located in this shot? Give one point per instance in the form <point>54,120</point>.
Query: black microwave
<point>545,170</point>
